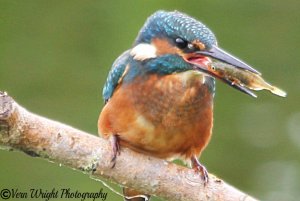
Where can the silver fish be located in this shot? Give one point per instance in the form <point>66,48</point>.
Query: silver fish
<point>242,78</point>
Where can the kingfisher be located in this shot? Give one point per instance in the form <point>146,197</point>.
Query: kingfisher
<point>158,95</point>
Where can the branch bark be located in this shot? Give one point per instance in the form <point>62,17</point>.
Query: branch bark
<point>41,137</point>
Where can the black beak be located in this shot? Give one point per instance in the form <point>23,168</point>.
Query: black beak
<point>219,54</point>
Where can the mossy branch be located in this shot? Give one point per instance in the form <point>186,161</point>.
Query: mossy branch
<point>40,137</point>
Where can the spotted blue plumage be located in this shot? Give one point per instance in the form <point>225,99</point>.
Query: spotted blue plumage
<point>114,75</point>
<point>175,24</point>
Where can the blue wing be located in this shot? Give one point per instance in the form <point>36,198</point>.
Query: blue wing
<point>115,75</point>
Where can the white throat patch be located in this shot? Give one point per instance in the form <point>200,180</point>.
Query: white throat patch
<point>143,51</point>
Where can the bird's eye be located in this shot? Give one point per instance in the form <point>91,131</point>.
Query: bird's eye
<point>180,43</point>
<point>183,44</point>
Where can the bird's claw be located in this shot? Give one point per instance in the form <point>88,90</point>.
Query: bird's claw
<point>115,149</point>
<point>198,167</point>
<point>203,172</point>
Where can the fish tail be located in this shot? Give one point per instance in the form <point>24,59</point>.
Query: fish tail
<point>278,92</point>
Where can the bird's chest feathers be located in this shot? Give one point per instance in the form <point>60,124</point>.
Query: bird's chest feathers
<point>171,100</point>
<point>161,114</point>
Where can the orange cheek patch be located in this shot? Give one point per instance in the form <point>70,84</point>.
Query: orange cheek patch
<point>164,47</point>
<point>198,44</point>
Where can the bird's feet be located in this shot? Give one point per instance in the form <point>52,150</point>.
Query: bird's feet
<point>198,167</point>
<point>115,148</point>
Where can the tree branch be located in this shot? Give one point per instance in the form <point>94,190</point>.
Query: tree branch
<point>41,137</point>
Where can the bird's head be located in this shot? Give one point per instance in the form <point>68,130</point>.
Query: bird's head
<point>179,43</point>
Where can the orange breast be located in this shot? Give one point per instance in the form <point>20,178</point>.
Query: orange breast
<point>164,116</point>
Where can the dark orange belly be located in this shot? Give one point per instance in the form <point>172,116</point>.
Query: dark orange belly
<point>165,116</point>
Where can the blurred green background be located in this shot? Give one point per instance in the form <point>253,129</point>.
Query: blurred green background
<point>55,55</point>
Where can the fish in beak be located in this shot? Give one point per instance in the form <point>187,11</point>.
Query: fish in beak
<point>234,72</point>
